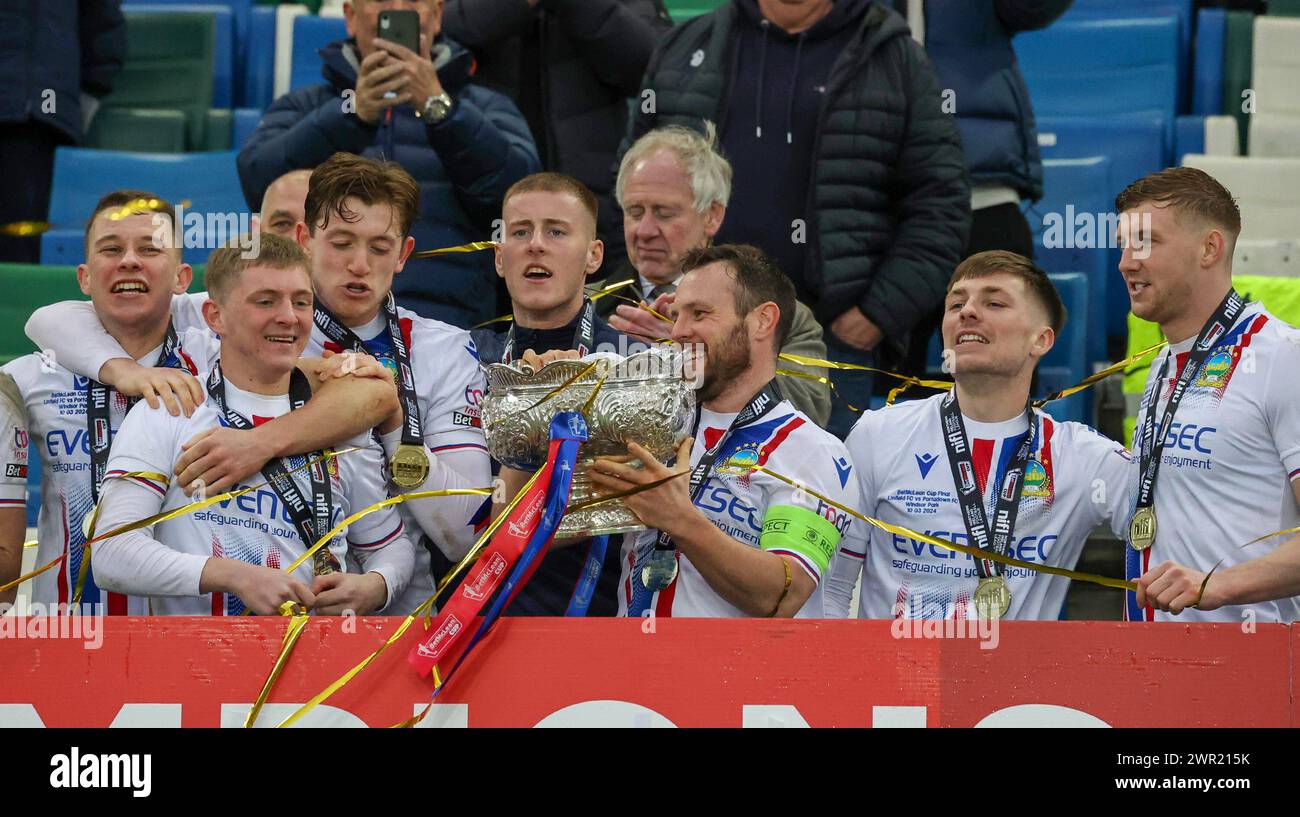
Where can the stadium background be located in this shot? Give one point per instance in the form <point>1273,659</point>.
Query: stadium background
<point>1119,89</point>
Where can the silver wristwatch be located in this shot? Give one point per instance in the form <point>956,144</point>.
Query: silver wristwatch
<point>436,108</point>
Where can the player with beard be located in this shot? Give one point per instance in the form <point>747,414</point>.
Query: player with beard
<point>728,540</point>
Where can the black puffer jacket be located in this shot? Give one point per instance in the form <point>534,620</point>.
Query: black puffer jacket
<point>52,51</point>
<point>889,192</point>
<point>571,66</point>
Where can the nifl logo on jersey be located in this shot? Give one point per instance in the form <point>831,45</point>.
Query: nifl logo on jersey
<point>924,462</point>
<point>20,438</point>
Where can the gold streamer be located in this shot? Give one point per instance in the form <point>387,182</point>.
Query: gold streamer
<point>427,604</point>
<point>84,570</point>
<point>594,296</point>
<point>473,246</point>
<point>974,552</point>
<point>25,228</point>
<point>292,633</point>
<point>38,571</point>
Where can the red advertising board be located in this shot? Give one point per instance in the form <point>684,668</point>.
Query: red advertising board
<point>664,672</point>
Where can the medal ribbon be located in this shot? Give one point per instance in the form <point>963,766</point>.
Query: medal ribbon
<point>592,567</point>
<point>557,498</point>
<point>1152,444</point>
<point>1006,506</point>
<point>308,520</point>
<point>584,337</point>
<point>759,406</point>
<point>334,329</point>
<point>505,550</point>
<point>99,437</point>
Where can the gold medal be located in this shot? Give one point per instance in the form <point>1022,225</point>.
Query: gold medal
<point>1142,530</point>
<point>992,598</point>
<point>410,466</point>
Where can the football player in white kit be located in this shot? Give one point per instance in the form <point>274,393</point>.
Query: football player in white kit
<point>979,467</point>
<point>359,213</point>
<point>731,541</point>
<point>1217,445</point>
<point>229,557</point>
<point>133,274</point>
<point>13,484</point>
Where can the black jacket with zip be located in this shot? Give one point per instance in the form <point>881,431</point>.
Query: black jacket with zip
<point>887,193</point>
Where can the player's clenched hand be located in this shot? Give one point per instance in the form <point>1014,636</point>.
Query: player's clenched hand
<point>664,507</point>
<point>353,364</point>
<point>1173,588</point>
<point>178,390</point>
<point>537,361</point>
<point>339,593</point>
<point>262,589</point>
<point>215,459</point>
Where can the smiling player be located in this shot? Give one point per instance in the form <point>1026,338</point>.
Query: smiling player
<point>978,467</point>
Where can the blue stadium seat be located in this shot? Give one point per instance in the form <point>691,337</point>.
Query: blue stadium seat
<point>245,122</point>
<point>205,183</point>
<point>259,64</point>
<point>1067,363</point>
<point>1134,147</point>
<point>1189,137</point>
<point>1127,9</point>
<point>310,34</point>
<point>1207,82</point>
<point>1074,211</point>
<point>223,52</point>
<point>1126,68</point>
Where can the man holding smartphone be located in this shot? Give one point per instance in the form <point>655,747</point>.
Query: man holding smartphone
<point>412,103</point>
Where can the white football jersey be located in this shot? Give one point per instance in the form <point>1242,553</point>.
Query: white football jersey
<point>1229,460</point>
<point>1075,479</point>
<point>255,527</point>
<point>736,498</point>
<point>55,400</point>
<point>449,386</point>
<point>13,444</point>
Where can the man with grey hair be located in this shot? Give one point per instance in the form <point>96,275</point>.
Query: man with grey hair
<point>674,186</point>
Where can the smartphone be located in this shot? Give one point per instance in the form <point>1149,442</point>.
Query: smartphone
<point>401,27</point>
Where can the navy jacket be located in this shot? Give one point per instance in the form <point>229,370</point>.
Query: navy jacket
<point>969,42</point>
<point>571,66</point>
<point>549,590</point>
<point>68,47</point>
<point>463,164</point>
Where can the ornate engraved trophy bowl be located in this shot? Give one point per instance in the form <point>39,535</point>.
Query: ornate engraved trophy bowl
<point>644,399</point>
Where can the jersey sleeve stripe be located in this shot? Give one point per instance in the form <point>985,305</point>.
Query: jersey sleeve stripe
<point>158,487</point>
<point>13,502</point>
<point>802,560</point>
<point>1294,474</point>
<point>383,541</point>
<point>848,552</point>
<point>458,446</point>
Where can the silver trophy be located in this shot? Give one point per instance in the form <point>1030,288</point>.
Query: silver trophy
<point>644,398</point>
